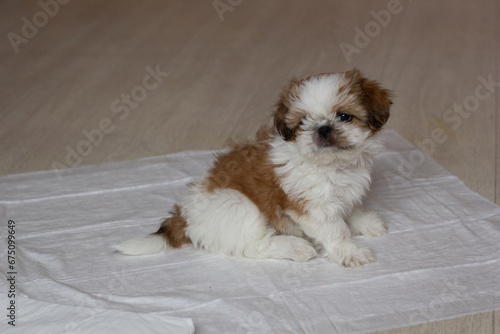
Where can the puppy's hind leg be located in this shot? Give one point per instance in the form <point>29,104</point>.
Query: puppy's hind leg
<point>281,247</point>
<point>228,222</point>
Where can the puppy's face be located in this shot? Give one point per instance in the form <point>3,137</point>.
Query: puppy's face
<point>331,113</point>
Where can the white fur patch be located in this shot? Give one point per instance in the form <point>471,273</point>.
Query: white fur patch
<point>329,189</point>
<point>223,221</point>
<point>318,94</point>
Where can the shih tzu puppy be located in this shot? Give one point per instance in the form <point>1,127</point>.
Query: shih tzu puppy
<point>296,190</point>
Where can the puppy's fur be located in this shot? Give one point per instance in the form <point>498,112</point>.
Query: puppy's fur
<point>296,189</point>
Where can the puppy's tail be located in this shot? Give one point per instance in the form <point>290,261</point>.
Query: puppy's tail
<point>151,244</point>
<point>171,234</point>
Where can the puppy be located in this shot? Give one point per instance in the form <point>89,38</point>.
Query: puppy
<point>296,190</point>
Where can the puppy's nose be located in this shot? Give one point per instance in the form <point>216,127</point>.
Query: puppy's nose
<point>324,131</point>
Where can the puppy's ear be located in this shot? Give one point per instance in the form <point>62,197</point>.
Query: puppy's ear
<point>282,119</point>
<point>376,100</point>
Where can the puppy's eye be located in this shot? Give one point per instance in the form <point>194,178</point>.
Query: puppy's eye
<point>344,117</point>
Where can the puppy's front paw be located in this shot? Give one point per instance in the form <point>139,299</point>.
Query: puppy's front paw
<point>348,254</point>
<point>367,224</point>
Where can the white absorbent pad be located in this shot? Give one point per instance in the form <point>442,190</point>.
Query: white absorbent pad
<point>440,259</point>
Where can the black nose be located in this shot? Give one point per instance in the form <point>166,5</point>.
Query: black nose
<point>324,131</point>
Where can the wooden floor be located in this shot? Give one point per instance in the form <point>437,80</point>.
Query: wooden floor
<point>82,70</point>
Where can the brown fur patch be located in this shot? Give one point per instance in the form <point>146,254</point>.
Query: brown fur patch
<point>287,121</point>
<point>248,169</point>
<point>373,97</point>
<point>174,228</point>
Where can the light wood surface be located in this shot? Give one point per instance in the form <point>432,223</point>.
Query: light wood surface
<point>224,74</point>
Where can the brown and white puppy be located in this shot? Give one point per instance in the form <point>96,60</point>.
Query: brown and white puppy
<point>296,189</point>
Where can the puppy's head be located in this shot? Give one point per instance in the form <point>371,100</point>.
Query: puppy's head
<point>331,112</point>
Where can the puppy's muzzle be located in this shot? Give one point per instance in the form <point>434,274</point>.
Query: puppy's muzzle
<point>324,131</point>
<point>328,136</point>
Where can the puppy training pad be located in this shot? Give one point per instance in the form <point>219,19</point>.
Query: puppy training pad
<point>440,259</point>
